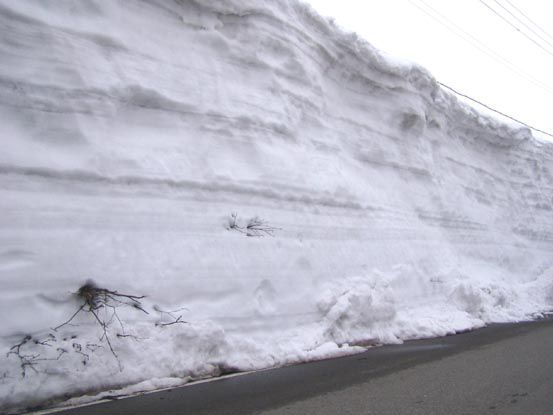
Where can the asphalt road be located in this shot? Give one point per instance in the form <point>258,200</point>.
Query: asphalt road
<point>502,369</point>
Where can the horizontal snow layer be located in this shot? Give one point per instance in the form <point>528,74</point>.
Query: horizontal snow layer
<point>132,130</point>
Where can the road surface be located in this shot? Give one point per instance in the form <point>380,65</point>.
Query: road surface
<point>502,369</point>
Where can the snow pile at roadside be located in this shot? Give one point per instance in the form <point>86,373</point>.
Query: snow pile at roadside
<point>278,190</point>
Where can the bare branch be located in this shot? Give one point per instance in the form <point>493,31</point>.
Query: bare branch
<point>176,319</point>
<point>254,227</point>
<point>71,318</point>
<point>258,227</point>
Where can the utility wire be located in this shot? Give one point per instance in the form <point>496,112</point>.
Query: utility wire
<point>523,23</point>
<point>515,27</point>
<point>488,51</point>
<point>467,37</point>
<point>493,109</point>
<point>537,26</point>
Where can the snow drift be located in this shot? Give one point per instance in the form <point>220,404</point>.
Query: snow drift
<point>131,131</point>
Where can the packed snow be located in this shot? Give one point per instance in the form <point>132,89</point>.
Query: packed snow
<point>278,190</point>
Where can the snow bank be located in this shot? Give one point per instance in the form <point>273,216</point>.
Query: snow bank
<point>131,131</point>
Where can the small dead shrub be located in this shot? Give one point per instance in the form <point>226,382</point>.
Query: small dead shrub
<point>253,227</point>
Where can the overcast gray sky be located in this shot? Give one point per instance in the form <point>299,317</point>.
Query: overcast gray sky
<point>508,69</point>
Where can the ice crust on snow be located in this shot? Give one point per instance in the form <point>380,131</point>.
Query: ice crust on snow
<point>131,131</point>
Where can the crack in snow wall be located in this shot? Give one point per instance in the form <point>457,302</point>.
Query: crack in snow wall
<point>132,130</point>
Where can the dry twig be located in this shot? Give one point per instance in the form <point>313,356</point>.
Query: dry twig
<point>96,299</point>
<point>254,227</point>
<point>174,319</point>
<point>258,227</point>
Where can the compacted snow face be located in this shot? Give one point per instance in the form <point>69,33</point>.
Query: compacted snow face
<point>140,139</point>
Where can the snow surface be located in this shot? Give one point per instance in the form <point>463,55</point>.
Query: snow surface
<point>131,131</point>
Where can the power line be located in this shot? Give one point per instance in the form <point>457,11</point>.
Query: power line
<point>469,38</point>
<point>523,23</point>
<point>493,109</point>
<point>515,27</point>
<point>466,36</point>
<point>537,26</point>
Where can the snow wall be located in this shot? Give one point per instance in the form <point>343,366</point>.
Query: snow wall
<point>130,133</point>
